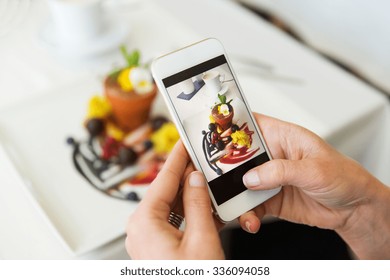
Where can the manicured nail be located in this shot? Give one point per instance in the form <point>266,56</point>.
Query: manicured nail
<point>248,227</point>
<point>196,180</point>
<point>251,179</point>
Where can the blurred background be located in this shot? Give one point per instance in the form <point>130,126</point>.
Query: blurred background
<point>350,33</point>
<point>321,64</point>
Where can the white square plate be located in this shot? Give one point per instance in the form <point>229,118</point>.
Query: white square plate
<point>34,133</point>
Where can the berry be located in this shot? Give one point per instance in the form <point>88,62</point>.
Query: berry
<point>214,137</point>
<point>95,127</point>
<point>133,196</point>
<point>70,141</point>
<point>110,148</point>
<point>148,144</point>
<point>127,156</point>
<point>212,127</point>
<point>220,145</point>
<point>234,128</point>
<point>158,122</point>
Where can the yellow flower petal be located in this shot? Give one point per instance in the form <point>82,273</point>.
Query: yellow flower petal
<point>98,107</point>
<point>241,138</point>
<point>165,138</point>
<point>124,79</point>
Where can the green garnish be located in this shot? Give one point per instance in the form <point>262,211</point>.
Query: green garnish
<point>222,98</point>
<point>133,58</point>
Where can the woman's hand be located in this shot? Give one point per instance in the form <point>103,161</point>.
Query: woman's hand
<point>151,236</point>
<point>321,187</point>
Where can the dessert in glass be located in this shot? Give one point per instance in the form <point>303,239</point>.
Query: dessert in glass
<point>223,115</point>
<point>131,92</point>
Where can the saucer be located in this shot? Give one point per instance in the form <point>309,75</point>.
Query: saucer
<point>198,85</point>
<point>113,34</point>
<point>223,90</point>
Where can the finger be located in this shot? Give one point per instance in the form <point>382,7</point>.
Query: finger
<point>197,207</point>
<point>267,122</point>
<point>218,224</point>
<point>164,188</point>
<point>177,204</point>
<point>250,221</point>
<point>272,130</point>
<point>190,167</point>
<point>278,172</point>
<point>286,140</point>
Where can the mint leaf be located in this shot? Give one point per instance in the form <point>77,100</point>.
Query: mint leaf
<point>222,98</point>
<point>133,58</point>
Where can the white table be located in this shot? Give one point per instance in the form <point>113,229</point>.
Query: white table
<point>353,32</point>
<point>345,111</point>
<point>303,88</point>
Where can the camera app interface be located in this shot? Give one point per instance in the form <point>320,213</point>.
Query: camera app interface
<point>218,125</point>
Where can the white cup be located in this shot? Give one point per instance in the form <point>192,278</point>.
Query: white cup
<point>213,80</point>
<point>76,21</point>
<point>197,78</point>
<point>187,86</point>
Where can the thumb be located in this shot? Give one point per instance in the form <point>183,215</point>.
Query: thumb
<point>278,172</point>
<point>197,207</point>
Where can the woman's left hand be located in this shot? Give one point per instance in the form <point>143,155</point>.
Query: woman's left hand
<point>151,236</point>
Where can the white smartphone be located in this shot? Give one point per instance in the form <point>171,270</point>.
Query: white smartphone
<point>215,123</point>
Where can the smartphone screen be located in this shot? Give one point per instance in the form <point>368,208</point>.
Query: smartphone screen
<point>218,125</point>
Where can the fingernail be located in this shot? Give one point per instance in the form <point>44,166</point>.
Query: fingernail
<point>196,180</point>
<point>248,227</point>
<point>251,179</point>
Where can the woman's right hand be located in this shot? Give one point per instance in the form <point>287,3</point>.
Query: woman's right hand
<point>321,188</point>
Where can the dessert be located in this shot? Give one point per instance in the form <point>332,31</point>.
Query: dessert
<point>226,142</point>
<point>222,113</point>
<point>130,91</point>
<point>125,148</point>
<point>116,162</point>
